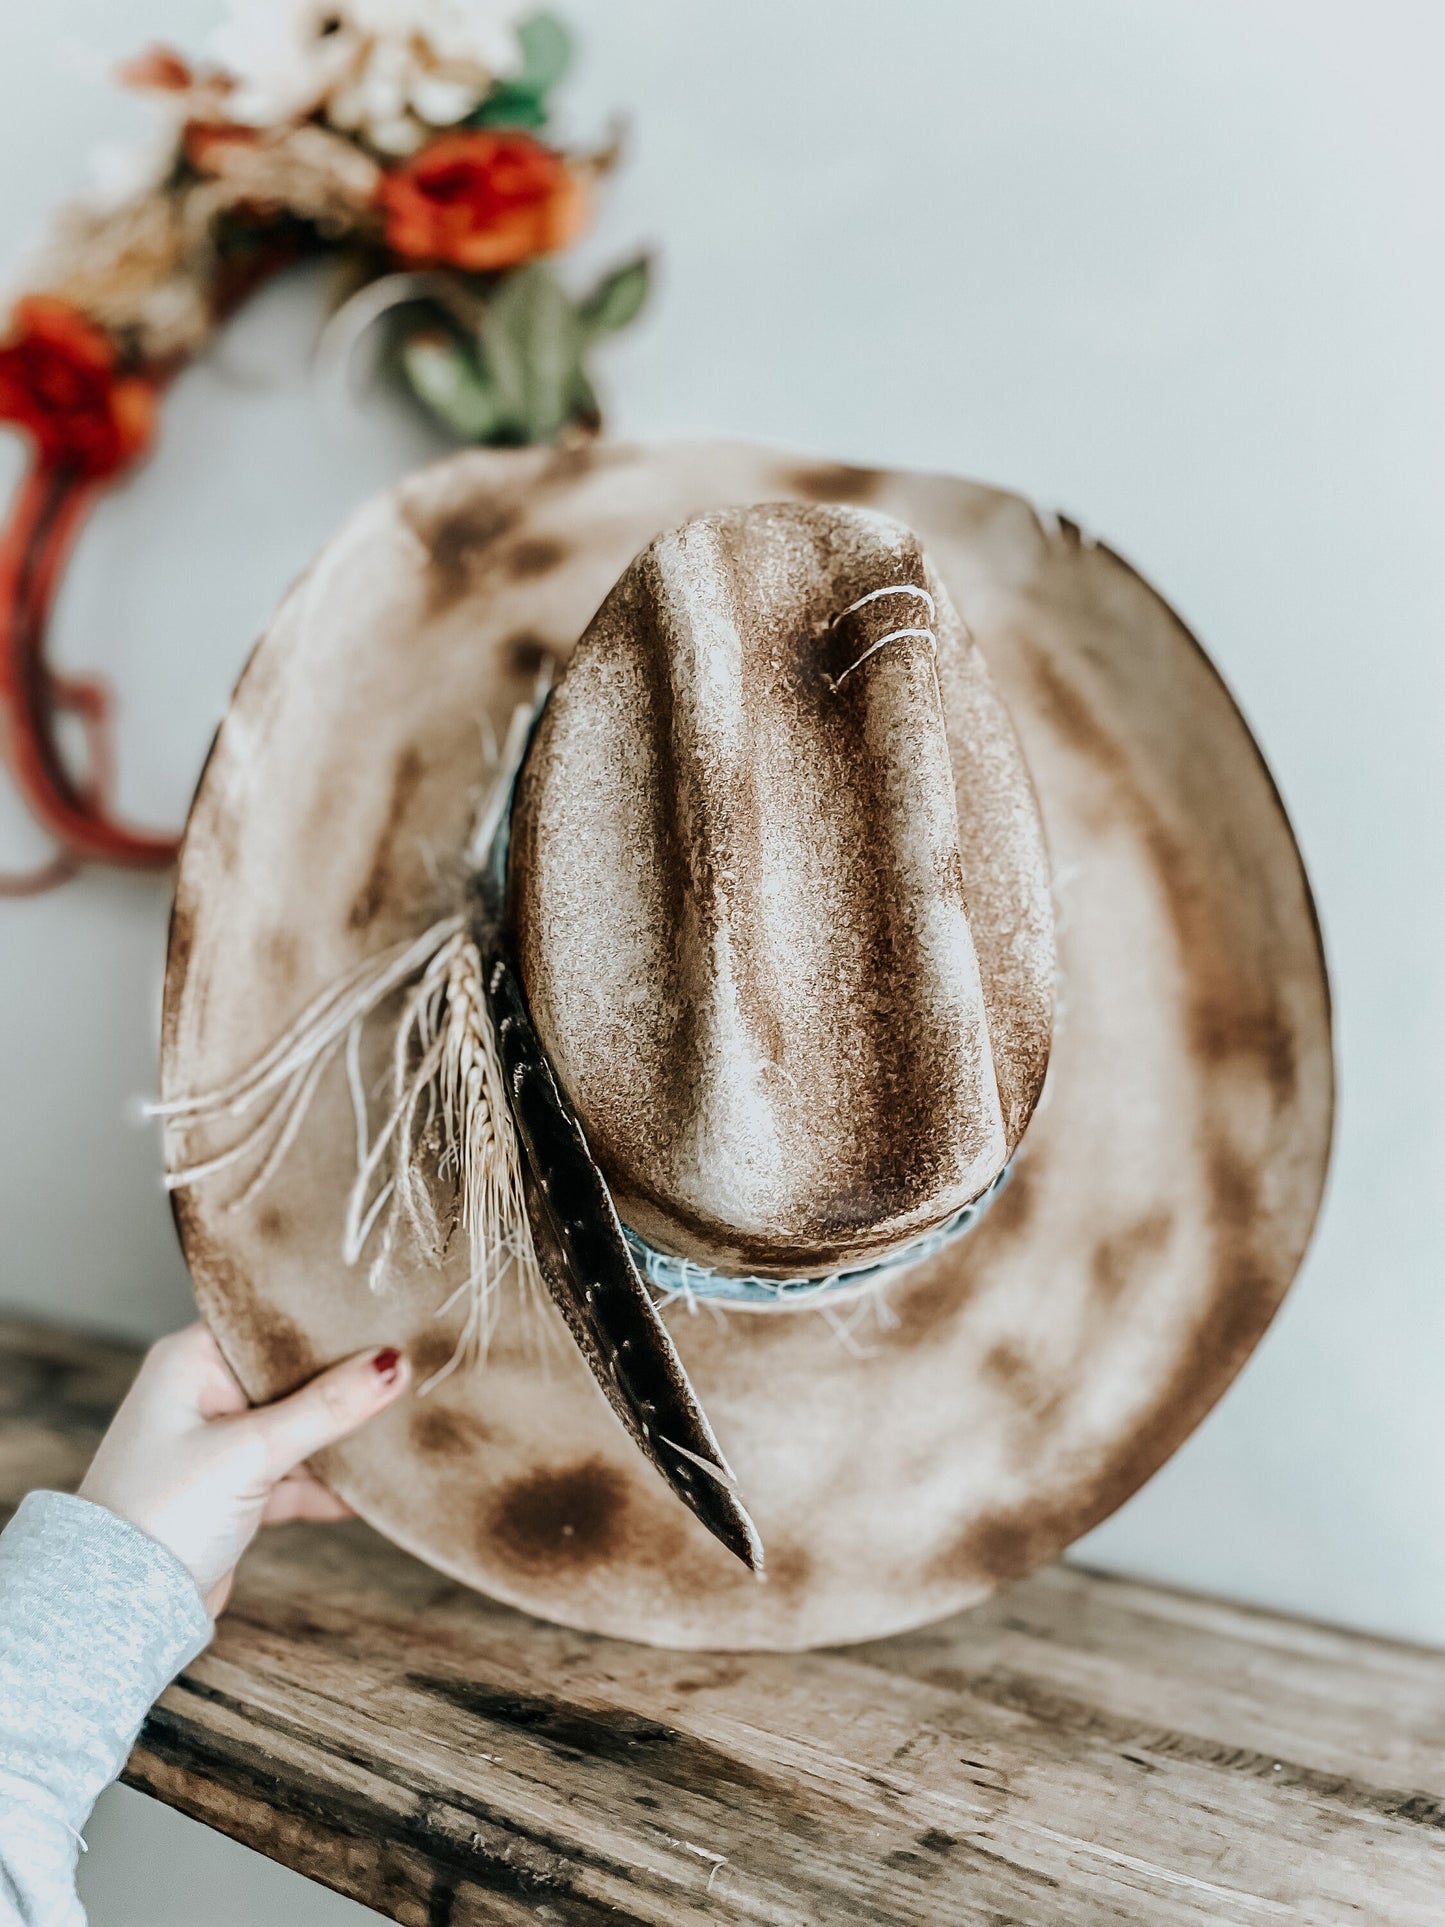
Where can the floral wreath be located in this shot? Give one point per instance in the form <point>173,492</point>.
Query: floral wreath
<point>404,138</point>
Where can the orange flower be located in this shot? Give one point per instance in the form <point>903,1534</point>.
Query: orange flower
<point>59,380</point>
<point>157,70</point>
<point>482,200</point>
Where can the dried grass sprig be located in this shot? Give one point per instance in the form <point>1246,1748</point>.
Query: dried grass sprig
<point>447,1125</point>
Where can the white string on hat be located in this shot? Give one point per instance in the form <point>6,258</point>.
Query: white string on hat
<point>893,635</point>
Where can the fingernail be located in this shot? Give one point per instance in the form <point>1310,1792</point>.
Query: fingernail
<point>387,1363</point>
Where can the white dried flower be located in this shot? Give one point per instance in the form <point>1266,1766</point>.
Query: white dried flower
<point>388,70</point>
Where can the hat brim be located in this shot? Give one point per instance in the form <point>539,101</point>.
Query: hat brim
<point>905,1457</point>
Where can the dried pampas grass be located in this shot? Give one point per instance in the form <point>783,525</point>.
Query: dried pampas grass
<point>446,1128</point>
<point>448,1123</point>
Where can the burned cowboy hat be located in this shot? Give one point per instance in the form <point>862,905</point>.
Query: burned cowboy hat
<point>828,934</point>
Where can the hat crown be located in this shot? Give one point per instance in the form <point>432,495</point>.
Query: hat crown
<point>766,804</point>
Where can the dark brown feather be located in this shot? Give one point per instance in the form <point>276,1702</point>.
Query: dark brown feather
<point>587,1267</point>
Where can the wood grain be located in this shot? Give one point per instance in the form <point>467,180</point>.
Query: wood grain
<point>1079,1750</point>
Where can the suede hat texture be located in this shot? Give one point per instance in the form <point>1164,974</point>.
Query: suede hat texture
<point>880,835</point>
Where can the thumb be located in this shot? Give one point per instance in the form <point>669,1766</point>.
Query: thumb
<point>335,1403</point>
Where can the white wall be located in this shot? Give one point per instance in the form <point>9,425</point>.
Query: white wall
<point>1186,262</point>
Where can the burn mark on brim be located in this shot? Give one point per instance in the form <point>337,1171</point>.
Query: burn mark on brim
<point>433,1348</point>
<point>996,1547</point>
<point>935,1298</point>
<point>789,1572</point>
<point>461,544</point>
<point>559,1520</point>
<point>437,1432</point>
<point>834,482</point>
<point>1129,1256</point>
<point>558,1525</point>
<point>527,654</point>
<point>272,1224</point>
<point>534,555</point>
<point>1072,717</point>
<point>1229,1016</point>
<point>1219,1032</point>
<point>1009,1367</point>
<point>380,882</point>
<point>180,945</point>
<point>277,1352</point>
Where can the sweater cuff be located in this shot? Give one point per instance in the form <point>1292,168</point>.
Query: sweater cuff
<point>96,1619</point>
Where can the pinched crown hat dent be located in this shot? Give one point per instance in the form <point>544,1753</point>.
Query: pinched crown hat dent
<point>780,894</point>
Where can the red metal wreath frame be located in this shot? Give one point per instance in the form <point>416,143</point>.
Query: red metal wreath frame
<point>47,512</point>
<point>45,518</point>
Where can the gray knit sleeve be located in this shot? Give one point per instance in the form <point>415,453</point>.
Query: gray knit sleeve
<point>95,1620</point>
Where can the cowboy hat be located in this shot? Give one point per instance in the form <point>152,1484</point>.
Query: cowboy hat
<point>887,925</point>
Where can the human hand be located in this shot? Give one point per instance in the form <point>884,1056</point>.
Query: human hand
<point>191,1462</point>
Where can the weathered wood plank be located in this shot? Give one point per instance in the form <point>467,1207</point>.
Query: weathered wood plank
<point>1079,1750</point>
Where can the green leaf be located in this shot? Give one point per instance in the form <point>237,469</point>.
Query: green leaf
<point>521,101</point>
<point>509,105</point>
<point>444,375</point>
<point>617,298</point>
<point>521,377</point>
<point>501,353</point>
<point>532,328</point>
<point>546,52</point>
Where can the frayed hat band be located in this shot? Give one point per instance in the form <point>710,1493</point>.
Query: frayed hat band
<point>679,1278</point>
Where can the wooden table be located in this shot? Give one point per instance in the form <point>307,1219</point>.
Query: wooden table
<point>1079,1750</point>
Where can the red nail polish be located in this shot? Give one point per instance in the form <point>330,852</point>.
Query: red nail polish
<point>386,1362</point>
